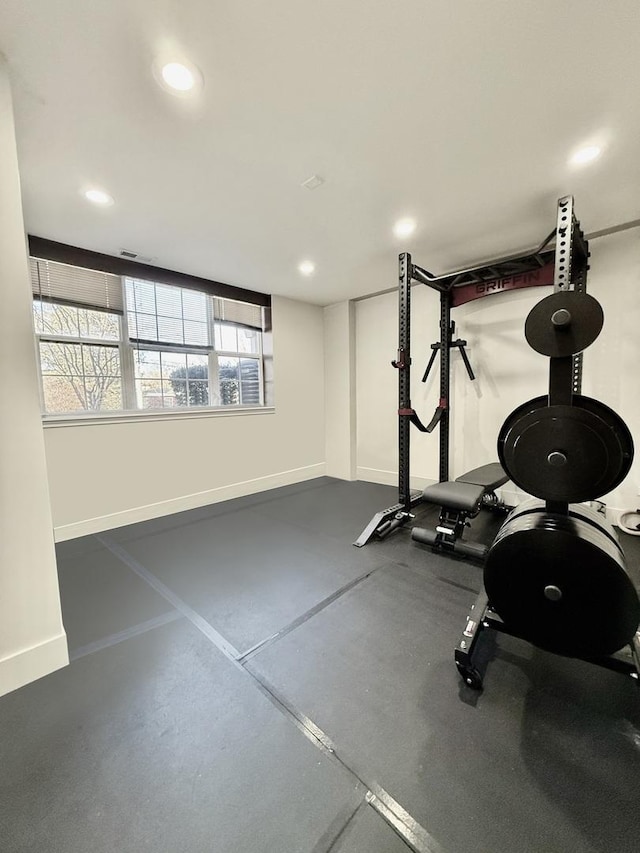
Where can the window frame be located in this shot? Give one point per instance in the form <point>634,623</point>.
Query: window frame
<point>126,349</point>
<point>256,356</point>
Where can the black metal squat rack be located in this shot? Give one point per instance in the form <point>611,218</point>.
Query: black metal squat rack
<point>532,269</point>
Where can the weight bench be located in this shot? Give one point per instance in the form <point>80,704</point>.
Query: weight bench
<point>460,500</point>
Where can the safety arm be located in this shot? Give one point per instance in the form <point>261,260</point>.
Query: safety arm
<point>467,364</point>
<point>434,353</point>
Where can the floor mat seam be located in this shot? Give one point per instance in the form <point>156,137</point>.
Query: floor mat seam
<point>418,839</point>
<point>308,614</point>
<point>127,634</point>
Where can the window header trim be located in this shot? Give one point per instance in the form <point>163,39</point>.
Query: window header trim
<point>40,247</point>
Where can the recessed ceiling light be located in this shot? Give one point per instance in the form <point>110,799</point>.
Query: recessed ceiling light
<point>98,197</point>
<point>404,227</point>
<point>178,77</point>
<point>307,267</point>
<point>586,154</point>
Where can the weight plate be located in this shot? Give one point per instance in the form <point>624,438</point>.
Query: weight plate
<point>583,512</point>
<point>565,453</point>
<point>619,428</point>
<point>561,583</point>
<point>565,323</point>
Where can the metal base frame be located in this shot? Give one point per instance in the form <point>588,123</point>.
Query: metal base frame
<point>387,520</point>
<point>482,618</point>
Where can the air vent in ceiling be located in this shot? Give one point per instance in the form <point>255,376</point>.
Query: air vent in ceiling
<point>134,256</point>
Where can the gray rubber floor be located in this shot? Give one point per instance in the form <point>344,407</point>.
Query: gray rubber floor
<point>244,679</point>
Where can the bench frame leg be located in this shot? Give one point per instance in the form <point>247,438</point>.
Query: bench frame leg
<point>449,532</point>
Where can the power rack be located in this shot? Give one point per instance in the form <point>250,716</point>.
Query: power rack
<point>545,265</point>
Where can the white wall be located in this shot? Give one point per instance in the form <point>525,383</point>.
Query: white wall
<point>32,639</point>
<point>105,475</point>
<point>340,390</point>
<point>612,363</point>
<point>508,371</point>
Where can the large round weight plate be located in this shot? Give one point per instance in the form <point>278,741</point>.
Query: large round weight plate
<point>564,323</point>
<point>562,584</point>
<point>565,453</point>
<point>581,512</point>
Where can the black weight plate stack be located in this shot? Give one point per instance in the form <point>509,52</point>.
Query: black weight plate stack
<point>565,323</point>
<point>559,581</point>
<point>565,453</point>
<point>556,574</point>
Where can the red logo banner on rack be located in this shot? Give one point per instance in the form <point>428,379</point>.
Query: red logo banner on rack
<point>478,289</point>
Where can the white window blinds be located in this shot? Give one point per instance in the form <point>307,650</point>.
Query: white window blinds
<point>51,280</point>
<point>243,313</point>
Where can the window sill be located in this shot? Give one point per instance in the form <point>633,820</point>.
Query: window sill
<point>86,419</point>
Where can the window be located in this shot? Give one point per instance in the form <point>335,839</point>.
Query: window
<point>166,379</point>
<point>171,329</point>
<point>239,376</point>
<point>79,358</point>
<point>141,344</point>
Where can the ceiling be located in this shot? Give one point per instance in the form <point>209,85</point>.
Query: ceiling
<point>460,114</point>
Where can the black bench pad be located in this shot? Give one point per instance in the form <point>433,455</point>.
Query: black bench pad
<point>490,476</point>
<point>455,495</point>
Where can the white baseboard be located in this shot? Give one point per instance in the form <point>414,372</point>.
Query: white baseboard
<point>390,478</point>
<point>374,475</point>
<point>29,664</point>
<point>185,502</point>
